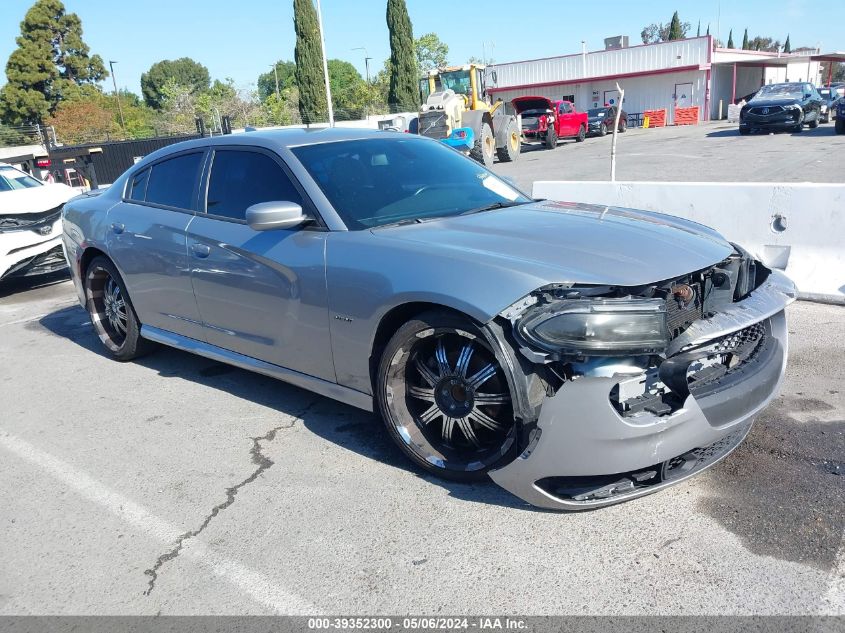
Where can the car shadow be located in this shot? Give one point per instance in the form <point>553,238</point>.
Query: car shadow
<point>822,130</point>
<point>15,285</point>
<point>350,428</point>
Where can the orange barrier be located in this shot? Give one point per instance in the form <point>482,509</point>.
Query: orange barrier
<point>656,118</point>
<point>686,116</point>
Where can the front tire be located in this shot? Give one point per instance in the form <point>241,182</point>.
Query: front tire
<point>444,398</point>
<point>485,146</point>
<point>815,122</point>
<point>551,138</point>
<point>111,312</point>
<point>839,126</point>
<point>602,130</point>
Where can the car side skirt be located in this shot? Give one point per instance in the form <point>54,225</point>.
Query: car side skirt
<point>317,385</point>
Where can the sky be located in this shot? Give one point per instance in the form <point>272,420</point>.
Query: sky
<point>241,40</point>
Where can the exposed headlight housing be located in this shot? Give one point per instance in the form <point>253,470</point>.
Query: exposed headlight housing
<point>598,327</point>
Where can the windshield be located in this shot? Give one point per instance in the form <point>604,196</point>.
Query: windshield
<point>457,80</point>
<point>786,91</point>
<point>373,182</point>
<point>596,112</point>
<point>11,178</point>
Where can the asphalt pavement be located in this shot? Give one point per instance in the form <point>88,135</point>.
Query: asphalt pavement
<point>177,485</point>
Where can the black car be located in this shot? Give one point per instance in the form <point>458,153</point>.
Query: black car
<point>830,98</point>
<point>840,116</point>
<point>600,120</point>
<point>786,106</point>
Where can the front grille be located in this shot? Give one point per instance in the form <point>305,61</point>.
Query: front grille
<point>30,221</point>
<point>768,110</point>
<point>733,352</point>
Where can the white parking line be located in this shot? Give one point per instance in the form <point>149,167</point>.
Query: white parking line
<point>255,584</point>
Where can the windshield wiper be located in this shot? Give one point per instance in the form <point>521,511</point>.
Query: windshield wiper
<point>493,207</point>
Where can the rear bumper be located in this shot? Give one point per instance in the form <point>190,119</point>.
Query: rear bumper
<point>584,454</point>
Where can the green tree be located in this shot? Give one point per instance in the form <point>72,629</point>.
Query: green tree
<point>787,45</point>
<point>266,84</point>
<point>309,62</point>
<point>675,32</point>
<point>403,92</point>
<point>745,41</point>
<point>51,60</point>
<point>183,71</point>
<point>349,97</point>
<point>760,43</point>
<point>731,39</point>
<point>431,52</point>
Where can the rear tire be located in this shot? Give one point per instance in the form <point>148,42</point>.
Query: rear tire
<point>623,126</point>
<point>551,138</point>
<point>444,398</point>
<point>510,151</point>
<point>484,148</point>
<point>111,312</point>
<point>582,134</point>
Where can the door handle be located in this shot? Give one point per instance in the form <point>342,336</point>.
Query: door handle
<point>117,228</point>
<point>200,250</point>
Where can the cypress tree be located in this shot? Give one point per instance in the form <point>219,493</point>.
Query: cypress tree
<point>787,47</point>
<point>708,29</point>
<point>731,39</point>
<point>51,62</point>
<point>403,90</point>
<point>745,41</point>
<point>308,57</point>
<point>698,30</point>
<point>675,32</point>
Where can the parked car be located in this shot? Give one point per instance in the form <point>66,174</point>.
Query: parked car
<point>601,120</point>
<point>829,99</point>
<point>579,355</point>
<point>548,121</point>
<point>840,116</point>
<point>786,106</point>
<point>30,224</point>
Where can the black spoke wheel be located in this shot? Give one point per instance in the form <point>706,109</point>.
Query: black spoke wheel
<point>445,398</point>
<point>111,312</point>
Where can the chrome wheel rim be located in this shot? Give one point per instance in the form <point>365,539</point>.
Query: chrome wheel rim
<point>459,413</point>
<point>107,307</point>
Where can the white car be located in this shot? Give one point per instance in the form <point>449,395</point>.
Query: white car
<point>30,224</point>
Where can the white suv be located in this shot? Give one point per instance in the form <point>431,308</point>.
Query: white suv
<point>30,223</point>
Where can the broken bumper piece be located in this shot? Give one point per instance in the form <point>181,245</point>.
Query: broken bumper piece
<point>585,453</point>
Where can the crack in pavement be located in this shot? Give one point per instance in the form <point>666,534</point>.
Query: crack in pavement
<point>260,460</point>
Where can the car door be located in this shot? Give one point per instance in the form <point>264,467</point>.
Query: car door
<point>565,120</point>
<point>146,241</point>
<point>260,293</point>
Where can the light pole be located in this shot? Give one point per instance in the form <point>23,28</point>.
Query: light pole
<point>276,74</point>
<point>325,65</point>
<point>366,60</point>
<point>117,96</point>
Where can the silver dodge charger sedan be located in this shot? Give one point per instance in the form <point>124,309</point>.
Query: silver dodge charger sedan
<point>577,355</point>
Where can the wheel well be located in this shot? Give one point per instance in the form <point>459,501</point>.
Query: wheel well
<point>87,256</point>
<point>392,321</point>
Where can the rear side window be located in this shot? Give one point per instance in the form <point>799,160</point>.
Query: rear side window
<point>138,186</point>
<point>172,182</point>
<point>240,179</point>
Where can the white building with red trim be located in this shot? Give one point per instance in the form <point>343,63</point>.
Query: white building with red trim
<point>680,73</point>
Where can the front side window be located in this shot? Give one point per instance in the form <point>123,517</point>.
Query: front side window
<point>138,186</point>
<point>172,182</point>
<point>240,179</point>
<point>373,182</point>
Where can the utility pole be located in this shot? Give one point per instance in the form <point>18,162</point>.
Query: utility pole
<point>276,74</point>
<point>117,96</point>
<point>366,60</point>
<point>325,65</point>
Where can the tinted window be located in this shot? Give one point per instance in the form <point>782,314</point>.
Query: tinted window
<point>11,178</point>
<point>378,181</point>
<point>241,179</point>
<point>138,185</point>
<point>172,181</point>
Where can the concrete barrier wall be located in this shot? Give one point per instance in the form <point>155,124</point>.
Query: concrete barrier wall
<point>798,228</point>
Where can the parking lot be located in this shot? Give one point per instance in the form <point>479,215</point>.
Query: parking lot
<point>177,485</point>
<point>710,152</point>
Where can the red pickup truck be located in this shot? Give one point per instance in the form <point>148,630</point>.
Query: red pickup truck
<point>547,121</point>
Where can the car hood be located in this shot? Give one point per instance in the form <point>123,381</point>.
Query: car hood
<point>35,199</point>
<point>523,104</point>
<point>567,242</point>
<point>774,100</point>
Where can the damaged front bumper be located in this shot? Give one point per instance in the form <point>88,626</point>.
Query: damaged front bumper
<point>584,453</point>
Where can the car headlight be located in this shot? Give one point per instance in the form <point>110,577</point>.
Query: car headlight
<point>598,327</point>
<point>792,106</point>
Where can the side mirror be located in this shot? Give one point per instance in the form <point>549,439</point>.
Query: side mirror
<point>270,216</point>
